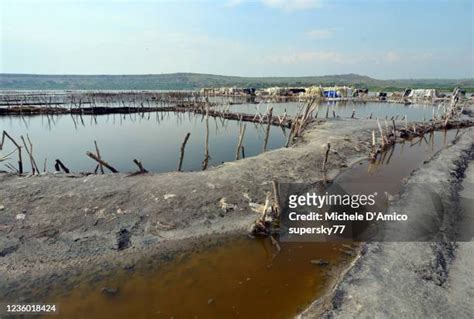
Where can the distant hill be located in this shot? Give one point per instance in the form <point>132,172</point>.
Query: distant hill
<point>191,81</point>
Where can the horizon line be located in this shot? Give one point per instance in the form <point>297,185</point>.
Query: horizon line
<point>237,76</point>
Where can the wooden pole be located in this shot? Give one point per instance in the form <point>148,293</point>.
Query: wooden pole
<point>267,133</point>
<point>34,167</point>
<point>381,132</point>
<point>181,156</point>
<point>98,156</point>
<point>288,140</point>
<point>276,196</point>
<point>205,162</point>
<point>31,150</point>
<point>326,157</point>
<point>239,144</point>
<point>101,161</point>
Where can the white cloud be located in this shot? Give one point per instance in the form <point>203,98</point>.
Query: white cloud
<point>320,33</point>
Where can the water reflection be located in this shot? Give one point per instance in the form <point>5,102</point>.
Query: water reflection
<point>154,138</point>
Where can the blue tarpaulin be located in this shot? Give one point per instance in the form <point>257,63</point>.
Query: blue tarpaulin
<point>330,93</point>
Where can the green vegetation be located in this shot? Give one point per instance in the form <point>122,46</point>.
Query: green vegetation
<point>191,81</point>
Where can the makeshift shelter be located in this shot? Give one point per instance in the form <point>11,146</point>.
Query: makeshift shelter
<point>337,92</point>
<point>423,94</point>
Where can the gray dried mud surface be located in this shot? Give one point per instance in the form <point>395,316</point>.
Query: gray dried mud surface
<point>420,279</point>
<point>54,227</point>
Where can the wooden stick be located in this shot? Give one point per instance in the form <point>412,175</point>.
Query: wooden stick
<point>205,162</point>
<point>239,144</point>
<point>267,133</point>
<point>4,158</point>
<point>326,157</point>
<point>381,132</point>
<point>12,168</point>
<point>140,166</point>
<point>276,196</point>
<point>33,168</point>
<point>31,151</point>
<point>20,161</point>
<point>98,156</point>
<point>181,156</point>
<point>59,165</point>
<point>288,140</point>
<point>101,161</point>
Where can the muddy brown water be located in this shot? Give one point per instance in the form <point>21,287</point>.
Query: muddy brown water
<point>243,278</point>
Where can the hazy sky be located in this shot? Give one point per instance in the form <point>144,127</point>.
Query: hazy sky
<point>382,39</point>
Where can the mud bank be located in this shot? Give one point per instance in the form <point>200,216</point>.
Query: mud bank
<point>54,226</point>
<point>419,279</point>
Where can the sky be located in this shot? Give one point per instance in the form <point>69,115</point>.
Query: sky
<point>382,39</point>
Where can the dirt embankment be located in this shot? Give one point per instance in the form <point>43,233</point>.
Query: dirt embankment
<point>432,279</point>
<point>54,225</point>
